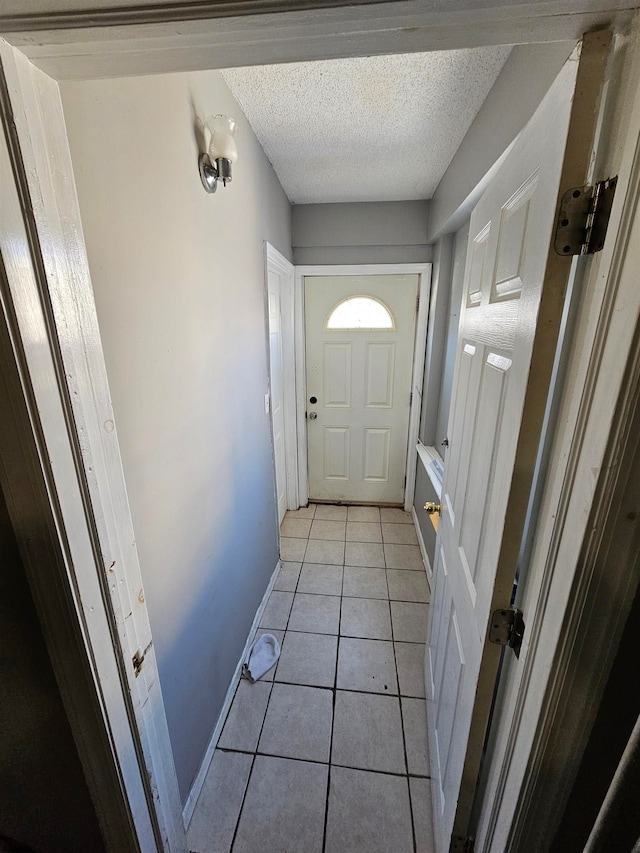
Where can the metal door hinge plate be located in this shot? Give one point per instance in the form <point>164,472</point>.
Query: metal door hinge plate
<point>583,218</point>
<point>461,844</point>
<point>507,629</point>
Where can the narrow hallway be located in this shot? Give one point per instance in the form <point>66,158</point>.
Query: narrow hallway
<point>328,751</point>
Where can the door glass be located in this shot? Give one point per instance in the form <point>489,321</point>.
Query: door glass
<point>360,312</point>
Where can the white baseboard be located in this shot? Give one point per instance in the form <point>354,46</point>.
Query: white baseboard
<point>196,788</point>
<point>423,550</point>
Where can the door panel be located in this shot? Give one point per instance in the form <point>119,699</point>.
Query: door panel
<point>503,366</point>
<point>379,376</point>
<point>357,444</point>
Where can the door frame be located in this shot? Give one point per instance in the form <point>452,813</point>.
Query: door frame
<point>423,271</point>
<point>48,300</point>
<point>108,43</point>
<point>275,261</point>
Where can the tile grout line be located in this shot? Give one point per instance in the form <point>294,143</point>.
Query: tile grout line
<point>255,752</point>
<point>333,718</point>
<point>253,762</point>
<point>404,739</point>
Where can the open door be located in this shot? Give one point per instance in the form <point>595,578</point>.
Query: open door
<point>512,304</point>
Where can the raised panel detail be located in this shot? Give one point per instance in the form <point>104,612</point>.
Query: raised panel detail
<point>510,257</point>
<point>476,267</point>
<point>336,364</point>
<point>379,372</point>
<point>376,455</point>
<point>493,384</point>
<point>449,688</point>
<point>465,401</point>
<point>336,453</point>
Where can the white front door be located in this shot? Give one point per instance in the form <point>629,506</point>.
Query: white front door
<point>359,345</point>
<point>512,305</point>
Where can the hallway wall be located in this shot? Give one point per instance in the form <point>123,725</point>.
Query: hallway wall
<point>179,283</point>
<point>385,232</point>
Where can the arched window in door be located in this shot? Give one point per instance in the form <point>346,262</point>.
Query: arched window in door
<point>360,312</point>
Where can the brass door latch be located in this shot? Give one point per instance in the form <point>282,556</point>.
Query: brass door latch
<point>432,508</point>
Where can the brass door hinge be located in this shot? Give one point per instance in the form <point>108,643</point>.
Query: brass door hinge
<point>584,218</point>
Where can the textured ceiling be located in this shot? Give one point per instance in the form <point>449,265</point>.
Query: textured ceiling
<point>380,128</point>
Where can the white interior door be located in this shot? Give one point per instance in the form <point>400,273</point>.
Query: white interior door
<point>511,310</point>
<point>359,344</point>
<point>276,372</point>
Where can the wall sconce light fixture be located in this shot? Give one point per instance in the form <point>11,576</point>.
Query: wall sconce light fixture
<point>215,165</point>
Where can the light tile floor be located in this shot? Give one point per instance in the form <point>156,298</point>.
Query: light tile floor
<point>328,751</point>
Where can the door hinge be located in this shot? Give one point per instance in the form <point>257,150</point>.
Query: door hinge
<point>584,218</point>
<point>461,844</point>
<point>410,397</point>
<point>507,629</point>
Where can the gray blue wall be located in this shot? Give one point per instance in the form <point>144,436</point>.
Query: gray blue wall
<point>179,283</point>
<point>386,232</point>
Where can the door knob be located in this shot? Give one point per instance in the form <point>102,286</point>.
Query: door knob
<point>432,508</point>
<point>313,416</point>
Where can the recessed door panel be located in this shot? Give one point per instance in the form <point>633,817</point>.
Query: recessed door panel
<point>376,455</point>
<point>510,257</point>
<point>337,375</point>
<point>336,453</point>
<point>477,261</point>
<point>379,375</point>
<point>471,515</point>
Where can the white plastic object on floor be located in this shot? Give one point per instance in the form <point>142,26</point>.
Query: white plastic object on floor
<point>262,655</point>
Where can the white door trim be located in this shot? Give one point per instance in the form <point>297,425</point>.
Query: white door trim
<point>277,262</point>
<point>113,41</point>
<point>423,271</point>
<point>59,299</point>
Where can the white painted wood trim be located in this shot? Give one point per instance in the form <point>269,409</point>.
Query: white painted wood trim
<point>276,261</point>
<point>423,271</point>
<point>301,388</point>
<point>39,481</point>
<point>196,788</point>
<point>170,37</point>
<point>417,378</point>
<point>73,338</point>
<point>423,548</point>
